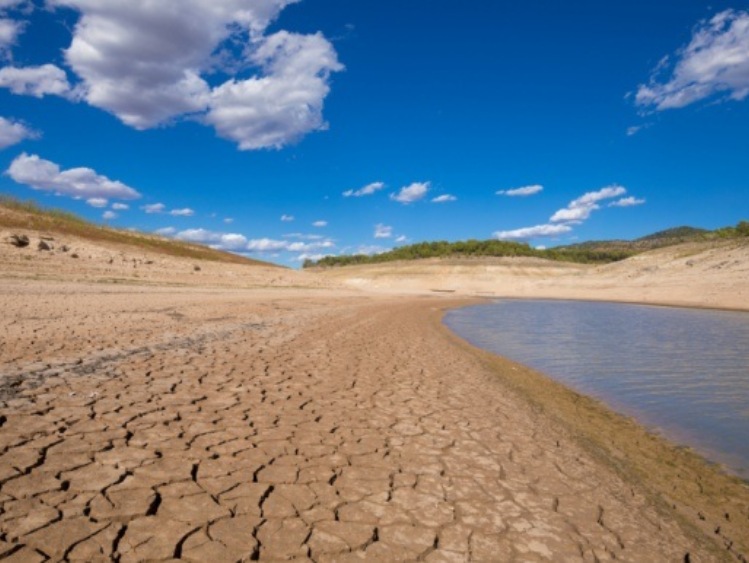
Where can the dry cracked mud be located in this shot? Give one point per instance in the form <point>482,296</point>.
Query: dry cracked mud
<point>226,426</point>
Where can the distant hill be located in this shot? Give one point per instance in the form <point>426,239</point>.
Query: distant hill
<point>19,215</point>
<point>591,252</point>
<point>683,234</point>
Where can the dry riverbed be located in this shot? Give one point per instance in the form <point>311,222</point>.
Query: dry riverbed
<point>211,424</point>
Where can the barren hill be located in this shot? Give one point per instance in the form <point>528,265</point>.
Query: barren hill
<point>54,245</point>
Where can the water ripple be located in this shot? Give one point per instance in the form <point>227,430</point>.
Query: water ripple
<point>682,372</point>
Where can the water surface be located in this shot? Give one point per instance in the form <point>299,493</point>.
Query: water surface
<point>682,372</point>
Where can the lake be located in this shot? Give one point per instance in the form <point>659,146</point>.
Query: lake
<point>683,373</point>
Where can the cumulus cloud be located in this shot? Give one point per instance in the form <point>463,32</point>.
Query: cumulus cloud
<point>97,201</point>
<point>120,206</point>
<point>715,62</point>
<point>383,231</point>
<point>109,215</point>
<point>147,63</point>
<point>522,192</point>
<point>266,245</point>
<point>287,218</point>
<point>579,210</point>
<point>320,224</point>
<point>13,132</point>
<point>228,220</point>
<point>411,193</point>
<point>627,202</point>
<point>444,198</point>
<point>9,31</point>
<point>531,232</point>
<point>153,208</point>
<point>369,189</point>
<point>166,231</point>
<point>401,238</point>
<point>37,81</point>
<point>222,241</point>
<point>285,103</point>
<point>45,175</point>
<point>186,212</point>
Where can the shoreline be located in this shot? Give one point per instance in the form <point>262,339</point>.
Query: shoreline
<point>650,459</point>
<point>370,420</point>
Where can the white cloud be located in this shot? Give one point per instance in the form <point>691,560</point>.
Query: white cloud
<point>369,189</point>
<point>120,206</point>
<point>147,62</point>
<point>401,238</point>
<point>320,224</point>
<point>314,257</point>
<point>221,241</point>
<point>287,218</point>
<point>411,193</point>
<point>97,202</point>
<point>716,61</point>
<point>635,129</point>
<point>109,215</point>
<point>531,232</point>
<point>580,209</point>
<point>266,245</point>
<point>627,202</point>
<point>444,198</point>
<point>13,132</point>
<point>186,212</point>
<point>383,231</point>
<point>523,191</point>
<point>154,208</point>
<point>45,175</point>
<point>228,220</point>
<point>166,231</point>
<point>309,246</point>
<point>37,81</point>
<point>285,103</point>
<point>302,236</point>
<point>9,31</point>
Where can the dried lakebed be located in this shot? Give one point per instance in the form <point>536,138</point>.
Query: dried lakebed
<point>299,425</point>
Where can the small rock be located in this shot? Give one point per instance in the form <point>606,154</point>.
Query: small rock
<point>20,241</point>
<point>196,268</point>
<point>690,263</point>
<point>44,245</point>
<point>74,255</point>
<point>64,248</point>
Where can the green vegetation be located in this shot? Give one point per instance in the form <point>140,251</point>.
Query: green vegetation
<point>15,214</point>
<point>594,252</point>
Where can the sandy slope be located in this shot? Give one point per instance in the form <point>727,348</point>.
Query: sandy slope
<point>271,414</point>
<point>695,274</point>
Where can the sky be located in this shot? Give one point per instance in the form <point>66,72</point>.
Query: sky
<point>288,130</point>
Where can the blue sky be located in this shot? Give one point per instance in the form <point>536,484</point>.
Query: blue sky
<point>289,129</point>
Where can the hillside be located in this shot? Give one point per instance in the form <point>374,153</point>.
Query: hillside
<point>591,252</point>
<point>707,273</point>
<point>50,244</point>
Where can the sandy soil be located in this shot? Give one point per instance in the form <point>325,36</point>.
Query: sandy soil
<point>712,274</point>
<point>200,416</point>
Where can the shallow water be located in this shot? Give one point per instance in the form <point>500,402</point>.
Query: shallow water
<point>683,373</point>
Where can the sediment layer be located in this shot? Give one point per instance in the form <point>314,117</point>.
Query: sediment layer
<point>146,423</point>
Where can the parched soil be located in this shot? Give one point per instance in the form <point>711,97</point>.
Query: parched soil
<point>218,425</point>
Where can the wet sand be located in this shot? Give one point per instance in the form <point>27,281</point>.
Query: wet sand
<point>220,424</point>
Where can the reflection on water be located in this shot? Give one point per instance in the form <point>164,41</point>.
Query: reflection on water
<point>682,371</point>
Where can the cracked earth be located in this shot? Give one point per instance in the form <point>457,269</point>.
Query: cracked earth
<point>226,426</point>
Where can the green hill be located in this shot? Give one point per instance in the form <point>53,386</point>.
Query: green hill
<point>591,252</point>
